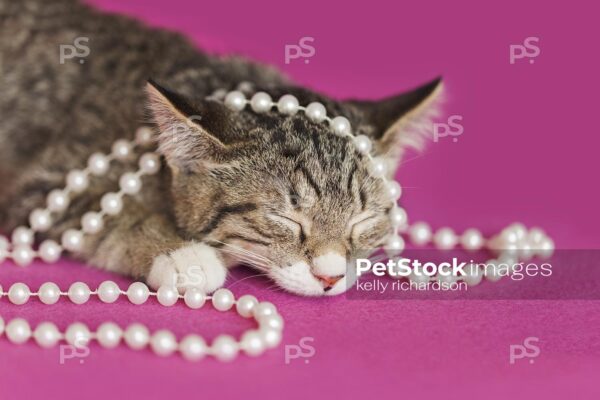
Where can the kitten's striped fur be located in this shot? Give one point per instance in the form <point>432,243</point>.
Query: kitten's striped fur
<point>281,193</point>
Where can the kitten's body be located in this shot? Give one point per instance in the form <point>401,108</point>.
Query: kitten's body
<point>53,116</point>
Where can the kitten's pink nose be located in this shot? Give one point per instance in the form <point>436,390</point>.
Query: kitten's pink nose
<point>328,281</point>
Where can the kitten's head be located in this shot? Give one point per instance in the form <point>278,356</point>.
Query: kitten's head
<point>282,193</point>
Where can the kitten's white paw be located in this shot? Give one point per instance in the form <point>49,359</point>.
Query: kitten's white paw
<point>193,265</point>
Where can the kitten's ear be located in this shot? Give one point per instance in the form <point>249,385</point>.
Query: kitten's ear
<point>186,129</point>
<point>403,120</point>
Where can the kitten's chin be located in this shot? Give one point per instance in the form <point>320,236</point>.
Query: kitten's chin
<point>298,279</point>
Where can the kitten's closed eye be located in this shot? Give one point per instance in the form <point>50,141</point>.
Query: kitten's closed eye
<point>298,228</point>
<point>360,226</point>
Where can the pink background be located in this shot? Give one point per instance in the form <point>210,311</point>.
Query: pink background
<point>528,152</point>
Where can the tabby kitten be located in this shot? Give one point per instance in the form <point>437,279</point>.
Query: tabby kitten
<point>277,192</point>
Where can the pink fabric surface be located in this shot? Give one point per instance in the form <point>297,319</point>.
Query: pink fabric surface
<point>528,153</point>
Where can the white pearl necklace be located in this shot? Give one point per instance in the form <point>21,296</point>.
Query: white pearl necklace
<point>137,336</point>
<point>514,241</point>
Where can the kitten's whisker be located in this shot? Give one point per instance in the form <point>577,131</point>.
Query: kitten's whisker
<point>248,277</point>
<point>251,262</point>
<point>242,250</point>
<point>247,258</point>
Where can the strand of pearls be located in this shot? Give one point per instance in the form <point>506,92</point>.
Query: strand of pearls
<point>109,335</point>
<point>58,200</point>
<point>137,336</point>
<point>514,242</point>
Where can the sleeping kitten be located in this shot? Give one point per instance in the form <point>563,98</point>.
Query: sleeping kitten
<point>277,192</point>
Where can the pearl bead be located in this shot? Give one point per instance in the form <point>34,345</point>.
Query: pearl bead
<point>418,278</point>
<point>130,183</point>
<point>79,293</point>
<point>194,298</point>
<point>77,181</point>
<point>472,274</point>
<point>245,87</point>
<point>23,255</point>
<point>109,335</point>
<point>341,126</point>
<point>261,102</point>
<point>492,272</point>
<point>109,292</point>
<point>22,236</point>
<point>471,239</point>
<point>245,305</point>
<point>264,308</point>
<point>111,203</point>
<point>363,144</point>
<point>378,167</point>
<point>136,336</point>
<point>235,100</point>
<point>121,149</point>
<point>163,343</point>
<point>394,190</point>
<point>271,321</point>
<point>193,347</point>
<point>545,248</point>
<point>57,200</point>
<point>519,229</point>
<point>225,348</point>
<point>270,337</point>
<point>138,293</point>
<point>288,105</point>
<point>252,343</point>
<point>398,217</point>
<point>219,94</point>
<point>525,251</point>
<point>50,251</point>
<point>92,222</point>
<point>77,334</point>
<point>49,293</point>
<point>167,295</point>
<point>394,245</point>
<point>223,299</point>
<point>18,331</point>
<point>46,335</point>
<point>19,293</point>
<point>98,164</point>
<point>316,112</point>
<point>510,250</point>
<point>448,279</point>
<point>40,220</point>
<point>535,236</point>
<point>445,239</point>
<point>72,240</point>
<point>3,243</point>
<point>507,236</point>
<point>144,136</point>
<point>149,163</point>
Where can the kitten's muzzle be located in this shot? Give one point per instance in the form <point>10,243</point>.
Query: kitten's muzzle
<point>328,281</point>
